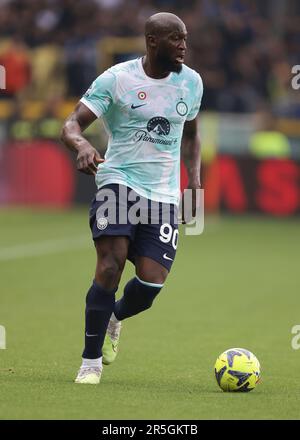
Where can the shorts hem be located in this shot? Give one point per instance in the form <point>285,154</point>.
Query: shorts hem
<point>157,260</point>
<point>112,234</point>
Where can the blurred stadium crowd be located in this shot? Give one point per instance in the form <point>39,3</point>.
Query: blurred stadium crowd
<point>244,49</point>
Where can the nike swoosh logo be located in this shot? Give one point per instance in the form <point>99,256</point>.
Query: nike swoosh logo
<point>90,335</point>
<point>166,257</point>
<point>136,106</point>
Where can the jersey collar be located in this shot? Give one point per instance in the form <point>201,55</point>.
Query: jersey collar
<point>148,78</point>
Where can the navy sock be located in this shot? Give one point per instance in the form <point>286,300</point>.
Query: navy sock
<point>99,307</point>
<point>138,296</point>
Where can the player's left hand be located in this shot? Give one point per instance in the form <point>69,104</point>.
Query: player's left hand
<point>88,159</point>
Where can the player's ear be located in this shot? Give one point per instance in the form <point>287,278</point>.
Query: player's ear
<point>152,40</point>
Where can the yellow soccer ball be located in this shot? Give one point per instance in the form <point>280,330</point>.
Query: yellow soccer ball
<point>237,369</point>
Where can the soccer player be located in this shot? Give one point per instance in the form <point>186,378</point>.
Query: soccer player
<point>149,106</point>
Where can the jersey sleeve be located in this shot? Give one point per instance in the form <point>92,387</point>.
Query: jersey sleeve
<point>100,95</point>
<point>197,92</point>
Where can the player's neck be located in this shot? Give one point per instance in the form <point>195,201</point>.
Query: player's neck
<point>152,69</point>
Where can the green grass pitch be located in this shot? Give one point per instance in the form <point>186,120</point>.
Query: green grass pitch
<point>236,285</point>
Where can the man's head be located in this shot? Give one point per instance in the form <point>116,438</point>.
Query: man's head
<point>166,40</point>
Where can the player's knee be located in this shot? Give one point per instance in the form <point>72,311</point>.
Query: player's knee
<point>158,277</point>
<point>150,271</point>
<point>108,272</point>
<point>109,269</point>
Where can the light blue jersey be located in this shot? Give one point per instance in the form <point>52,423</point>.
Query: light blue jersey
<point>144,118</point>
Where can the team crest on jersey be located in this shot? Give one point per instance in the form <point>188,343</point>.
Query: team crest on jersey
<point>159,125</point>
<point>102,223</point>
<point>181,108</point>
<point>142,95</point>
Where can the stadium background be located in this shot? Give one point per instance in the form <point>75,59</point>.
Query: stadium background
<point>243,272</point>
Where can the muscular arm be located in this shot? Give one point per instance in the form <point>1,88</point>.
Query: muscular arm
<point>190,153</point>
<point>71,135</point>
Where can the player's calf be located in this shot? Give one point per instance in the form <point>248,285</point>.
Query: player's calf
<point>138,296</point>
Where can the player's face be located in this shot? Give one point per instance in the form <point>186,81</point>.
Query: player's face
<point>171,49</point>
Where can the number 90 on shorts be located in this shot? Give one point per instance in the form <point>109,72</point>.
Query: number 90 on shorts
<point>168,234</point>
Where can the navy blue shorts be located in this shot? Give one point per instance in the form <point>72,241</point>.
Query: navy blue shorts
<point>152,227</point>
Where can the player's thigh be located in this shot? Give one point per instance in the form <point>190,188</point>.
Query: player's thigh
<point>155,248</point>
<point>104,219</point>
<point>111,237</point>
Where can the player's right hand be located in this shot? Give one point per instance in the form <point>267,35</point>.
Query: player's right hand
<point>88,159</point>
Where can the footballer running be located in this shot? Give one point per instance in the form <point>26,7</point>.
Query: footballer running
<point>149,107</point>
